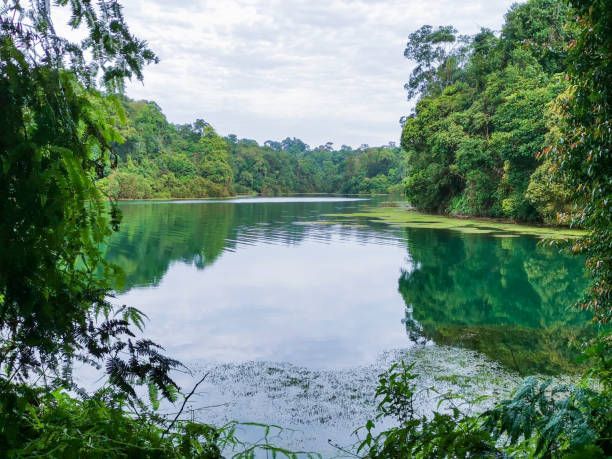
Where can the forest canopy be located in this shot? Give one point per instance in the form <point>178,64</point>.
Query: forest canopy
<point>485,113</point>
<point>486,109</point>
<point>159,159</point>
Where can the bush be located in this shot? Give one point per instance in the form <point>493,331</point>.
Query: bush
<point>542,420</point>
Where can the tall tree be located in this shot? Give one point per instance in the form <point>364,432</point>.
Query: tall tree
<point>437,54</point>
<point>582,152</point>
<point>56,132</point>
<point>483,115</point>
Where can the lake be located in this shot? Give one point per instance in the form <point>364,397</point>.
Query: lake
<point>294,313</point>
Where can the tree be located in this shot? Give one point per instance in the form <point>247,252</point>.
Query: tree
<point>293,145</point>
<point>474,140</point>
<point>582,152</point>
<point>437,57</point>
<point>213,161</point>
<point>57,132</point>
<point>543,28</point>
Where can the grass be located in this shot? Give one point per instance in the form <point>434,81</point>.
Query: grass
<point>407,218</point>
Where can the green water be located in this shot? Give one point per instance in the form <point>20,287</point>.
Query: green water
<point>293,315</point>
<point>273,280</point>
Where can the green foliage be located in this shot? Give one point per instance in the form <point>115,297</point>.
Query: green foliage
<point>295,168</point>
<point>482,115</point>
<point>581,154</point>
<point>438,54</point>
<point>582,151</point>
<point>553,420</point>
<point>55,141</point>
<point>37,422</point>
<point>542,420</point>
<point>162,160</point>
<point>446,434</point>
<point>541,28</point>
<point>549,194</point>
<point>55,424</point>
<point>57,135</point>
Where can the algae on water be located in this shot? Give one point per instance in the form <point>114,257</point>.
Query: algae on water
<point>409,218</point>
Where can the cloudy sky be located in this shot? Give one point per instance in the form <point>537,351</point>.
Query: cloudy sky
<point>320,70</point>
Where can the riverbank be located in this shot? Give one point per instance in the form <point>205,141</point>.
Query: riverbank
<point>403,216</point>
<point>255,195</point>
<point>400,214</point>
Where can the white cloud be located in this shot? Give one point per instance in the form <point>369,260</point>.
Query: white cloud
<point>267,69</point>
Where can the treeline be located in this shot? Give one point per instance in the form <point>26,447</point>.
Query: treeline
<point>487,107</point>
<point>476,141</point>
<point>158,159</point>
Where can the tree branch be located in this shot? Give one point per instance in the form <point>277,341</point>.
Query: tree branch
<point>184,403</point>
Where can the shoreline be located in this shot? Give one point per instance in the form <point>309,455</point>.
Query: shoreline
<point>408,217</point>
<point>398,213</point>
<point>250,195</point>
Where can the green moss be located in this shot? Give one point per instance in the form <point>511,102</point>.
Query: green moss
<point>406,218</point>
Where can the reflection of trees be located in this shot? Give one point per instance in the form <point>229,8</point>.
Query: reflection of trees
<point>414,329</point>
<point>508,298</point>
<point>153,235</point>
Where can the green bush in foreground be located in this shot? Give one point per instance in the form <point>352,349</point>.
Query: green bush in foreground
<point>37,422</point>
<point>541,420</point>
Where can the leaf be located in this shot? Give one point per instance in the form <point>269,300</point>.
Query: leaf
<point>154,396</point>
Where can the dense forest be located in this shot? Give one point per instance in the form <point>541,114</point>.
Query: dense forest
<point>519,125</point>
<point>158,159</point>
<point>514,125</point>
<point>475,143</point>
<point>486,111</point>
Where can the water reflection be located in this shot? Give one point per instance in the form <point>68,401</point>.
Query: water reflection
<point>155,234</point>
<point>284,283</point>
<point>510,298</point>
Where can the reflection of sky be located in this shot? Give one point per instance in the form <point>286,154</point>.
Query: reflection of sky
<point>322,304</point>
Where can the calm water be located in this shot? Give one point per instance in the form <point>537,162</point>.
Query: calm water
<point>269,293</point>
